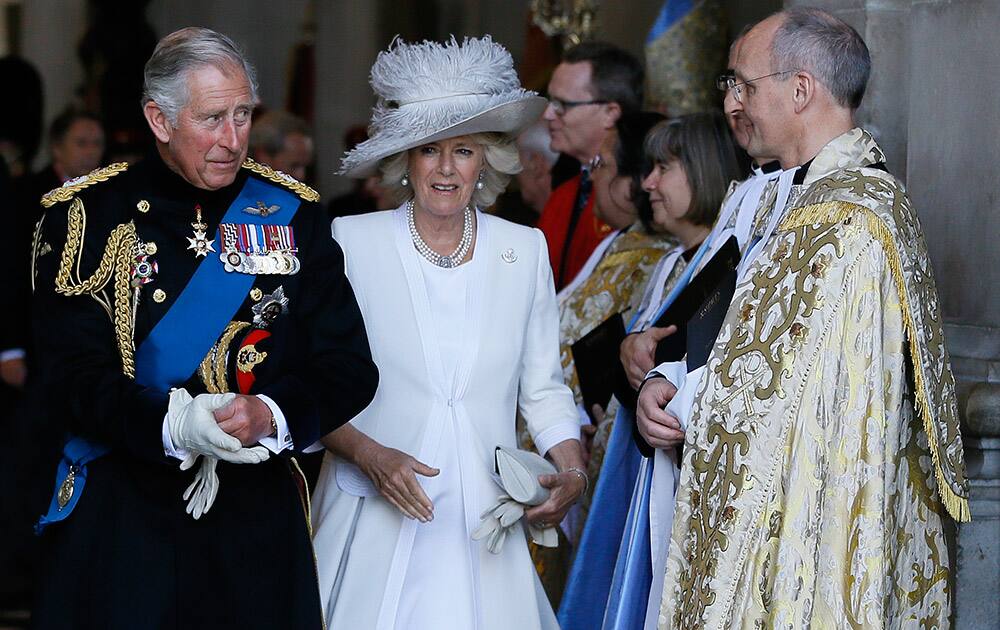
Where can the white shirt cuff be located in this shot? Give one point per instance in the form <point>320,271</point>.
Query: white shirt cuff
<point>673,371</point>
<point>556,434</point>
<point>168,444</point>
<point>282,439</point>
<point>13,353</point>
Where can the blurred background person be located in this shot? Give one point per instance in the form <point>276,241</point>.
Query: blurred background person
<point>367,194</point>
<point>523,203</point>
<point>76,147</point>
<point>537,159</point>
<point>594,84</point>
<point>284,142</point>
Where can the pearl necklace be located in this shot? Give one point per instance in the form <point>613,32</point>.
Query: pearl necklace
<point>457,256</point>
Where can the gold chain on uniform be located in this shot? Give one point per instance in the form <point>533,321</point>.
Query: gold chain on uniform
<point>116,263</point>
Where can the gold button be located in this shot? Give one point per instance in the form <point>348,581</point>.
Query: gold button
<point>159,295</point>
<point>256,294</point>
<point>150,248</point>
<point>142,206</point>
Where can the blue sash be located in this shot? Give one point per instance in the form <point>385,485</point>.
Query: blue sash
<point>180,340</point>
<point>616,535</point>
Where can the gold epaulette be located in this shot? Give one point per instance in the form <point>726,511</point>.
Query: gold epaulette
<point>286,180</point>
<point>68,190</point>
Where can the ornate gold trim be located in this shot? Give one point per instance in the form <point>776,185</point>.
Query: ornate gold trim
<point>289,182</point>
<point>842,211</point>
<point>115,264</point>
<point>213,367</point>
<point>35,250</point>
<point>68,191</point>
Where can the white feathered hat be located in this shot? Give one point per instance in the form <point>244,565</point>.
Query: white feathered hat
<point>430,91</point>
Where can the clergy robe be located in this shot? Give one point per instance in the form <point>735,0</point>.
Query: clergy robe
<point>823,451</point>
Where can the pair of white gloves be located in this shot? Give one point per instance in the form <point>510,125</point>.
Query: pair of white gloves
<point>498,519</point>
<point>193,428</point>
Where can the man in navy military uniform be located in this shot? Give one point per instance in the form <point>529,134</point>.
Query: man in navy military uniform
<point>195,330</point>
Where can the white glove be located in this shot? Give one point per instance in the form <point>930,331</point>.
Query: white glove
<point>201,493</point>
<point>498,519</point>
<point>192,426</point>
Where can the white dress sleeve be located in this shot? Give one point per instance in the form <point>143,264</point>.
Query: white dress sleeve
<point>544,399</point>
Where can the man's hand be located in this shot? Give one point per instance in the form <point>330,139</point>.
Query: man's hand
<point>638,351</point>
<point>659,428</point>
<point>14,372</point>
<point>193,428</point>
<point>245,417</point>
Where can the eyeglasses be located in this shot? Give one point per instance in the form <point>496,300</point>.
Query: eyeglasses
<point>728,82</point>
<point>560,107</point>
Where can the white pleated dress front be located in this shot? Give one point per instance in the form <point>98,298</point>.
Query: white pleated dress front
<point>459,351</point>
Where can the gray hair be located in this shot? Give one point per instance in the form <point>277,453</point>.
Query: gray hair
<point>828,48</point>
<point>166,73</point>
<point>537,139</point>
<point>270,130</point>
<point>501,162</point>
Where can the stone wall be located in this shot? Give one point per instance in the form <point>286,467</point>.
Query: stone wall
<point>931,103</point>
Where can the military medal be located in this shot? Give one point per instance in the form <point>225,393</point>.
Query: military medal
<point>269,307</point>
<point>143,270</point>
<point>261,209</point>
<point>258,249</point>
<point>200,242</point>
<point>66,488</point>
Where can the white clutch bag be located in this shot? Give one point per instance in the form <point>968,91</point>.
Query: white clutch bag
<point>519,471</point>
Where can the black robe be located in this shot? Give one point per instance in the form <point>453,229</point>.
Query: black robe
<point>129,556</point>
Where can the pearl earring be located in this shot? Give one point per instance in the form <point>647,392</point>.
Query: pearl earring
<point>406,180</point>
<point>479,183</point>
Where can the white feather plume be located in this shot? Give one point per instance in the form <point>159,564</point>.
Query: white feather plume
<point>428,87</point>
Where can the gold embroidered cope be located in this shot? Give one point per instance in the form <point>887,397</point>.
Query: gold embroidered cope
<point>823,452</point>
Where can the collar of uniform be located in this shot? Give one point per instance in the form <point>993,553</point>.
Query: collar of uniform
<point>853,149</point>
<point>177,189</point>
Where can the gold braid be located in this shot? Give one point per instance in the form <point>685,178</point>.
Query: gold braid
<point>116,262</point>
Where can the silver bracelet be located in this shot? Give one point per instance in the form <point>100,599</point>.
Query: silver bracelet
<point>583,475</point>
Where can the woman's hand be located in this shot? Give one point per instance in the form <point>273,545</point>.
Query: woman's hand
<point>638,353</point>
<point>394,473</point>
<point>564,489</point>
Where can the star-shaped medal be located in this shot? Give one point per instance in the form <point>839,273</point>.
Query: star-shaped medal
<point>200,243</point>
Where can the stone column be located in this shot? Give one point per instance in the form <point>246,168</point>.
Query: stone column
<point>977,601</point>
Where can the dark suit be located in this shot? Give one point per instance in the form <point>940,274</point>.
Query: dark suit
<point>129,556</point>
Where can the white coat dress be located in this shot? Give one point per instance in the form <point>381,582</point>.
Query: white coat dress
<point>443,412</point>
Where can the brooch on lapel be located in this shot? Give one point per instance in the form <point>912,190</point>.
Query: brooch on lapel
<point>509,255</point>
